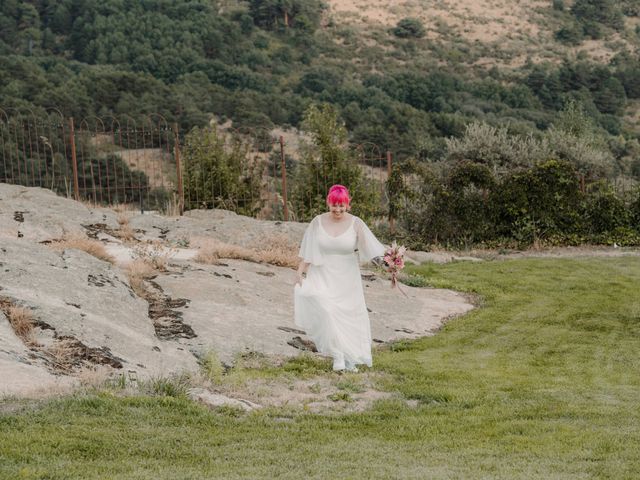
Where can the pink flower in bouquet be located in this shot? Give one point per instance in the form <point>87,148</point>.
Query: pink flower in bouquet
<point>394,263</point>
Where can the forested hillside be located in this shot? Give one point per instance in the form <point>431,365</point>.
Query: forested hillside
<point>191,59</point>
<point>430,89</point>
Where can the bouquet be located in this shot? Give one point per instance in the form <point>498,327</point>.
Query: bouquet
<point>394,263</point>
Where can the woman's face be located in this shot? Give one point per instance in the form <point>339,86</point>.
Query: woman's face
<point>337,210</point>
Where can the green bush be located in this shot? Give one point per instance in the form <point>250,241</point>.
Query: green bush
<point>538,202</point>
<point>607,12</point>
<point>571,34</point>
<point>634,211</point>
<point>463,207</point>
<point>328,161</point>
<point>409,28</point>
<point>218,172</point>
<point>605,212</point>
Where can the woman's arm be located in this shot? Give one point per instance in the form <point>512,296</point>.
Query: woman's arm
<point>369,247</point>
<point>302,270</point>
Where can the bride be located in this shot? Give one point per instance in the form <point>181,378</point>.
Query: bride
<point>329,301</point>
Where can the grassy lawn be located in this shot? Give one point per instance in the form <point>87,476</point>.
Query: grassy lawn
<point>542,382</point>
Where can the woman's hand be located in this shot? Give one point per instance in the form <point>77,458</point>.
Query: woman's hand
<point>299,278</point>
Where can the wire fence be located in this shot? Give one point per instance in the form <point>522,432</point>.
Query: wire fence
<point>147,162</point>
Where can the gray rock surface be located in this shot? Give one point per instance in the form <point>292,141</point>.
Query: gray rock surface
<point>229,308</point>
<point>222,225</point>
<point>37,214</point>
<point>214,400</point>
<point>19,373</point>
<point>79,296</point>
<point>242,306</point>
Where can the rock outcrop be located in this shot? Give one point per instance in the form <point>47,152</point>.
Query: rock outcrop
<point>86,313</point>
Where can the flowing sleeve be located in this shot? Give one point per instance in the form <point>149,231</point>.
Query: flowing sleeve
<point>310,249</point>
<point>368,245</point>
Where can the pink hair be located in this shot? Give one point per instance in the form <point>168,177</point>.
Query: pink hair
<point>338,194</point>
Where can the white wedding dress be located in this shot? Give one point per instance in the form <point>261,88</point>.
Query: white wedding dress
<point>330,304</point>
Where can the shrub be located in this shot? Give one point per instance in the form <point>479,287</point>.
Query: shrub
<point>495,148</point>
<point>538,202</point>
<point>409,28</point>
<point>219,175</point>
<point>328,161</point>
<point>604,11</point>
<point>571,34</point>
<point>605,212</point>
<point>462,208</point>
<point>634,212</point>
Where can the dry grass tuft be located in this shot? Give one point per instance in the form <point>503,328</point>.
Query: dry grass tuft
<point>126,233</point>
<point>138,271</point>
<point>155,253</point>
<point>122,219</point>
<point>211,251</point>
<point>124,207</point>
<point>278,250</point>
<point>63,355</point>
<point>22,322</point>
<point>81,242</point>
<point>273,249</point>
<point>94,376</point>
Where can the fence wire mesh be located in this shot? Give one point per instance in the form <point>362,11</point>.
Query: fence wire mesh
<point>147,162</point>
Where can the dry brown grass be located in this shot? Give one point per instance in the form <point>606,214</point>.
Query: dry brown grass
<point>125,233</point>
<point>122,218</point>
<point>63,355</point>
<point>124,207</point>
<point>22,322</point>
<point>172,207</point>
<point>79,241</point>
<point>278,250</point>
<point>94,376</point>
<point>211,251</point>
<point>138,271</point>
<point>155,253</point>
<point>274,250</point>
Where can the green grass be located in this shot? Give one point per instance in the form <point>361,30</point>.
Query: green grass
<point>541,382</point>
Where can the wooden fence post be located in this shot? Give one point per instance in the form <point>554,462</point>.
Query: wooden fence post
<point>74,160</point>
<point>178,170</point>
<point>283,167</point>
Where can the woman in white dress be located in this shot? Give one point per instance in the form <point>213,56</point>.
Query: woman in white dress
<point>329,302</point>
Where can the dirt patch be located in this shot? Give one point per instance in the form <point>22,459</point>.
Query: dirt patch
<point>327,393</point>
<point>504,33</point>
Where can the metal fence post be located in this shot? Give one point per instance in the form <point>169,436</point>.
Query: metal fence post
<point>392,221</point>
<point>178,170</point>
<point>285,206</point>
<point>74,159</point>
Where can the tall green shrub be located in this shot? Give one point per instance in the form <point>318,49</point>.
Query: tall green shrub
<point>539,202</point>
<point>605,211</point>
<point>220,174</point>
<point>327,161</point>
